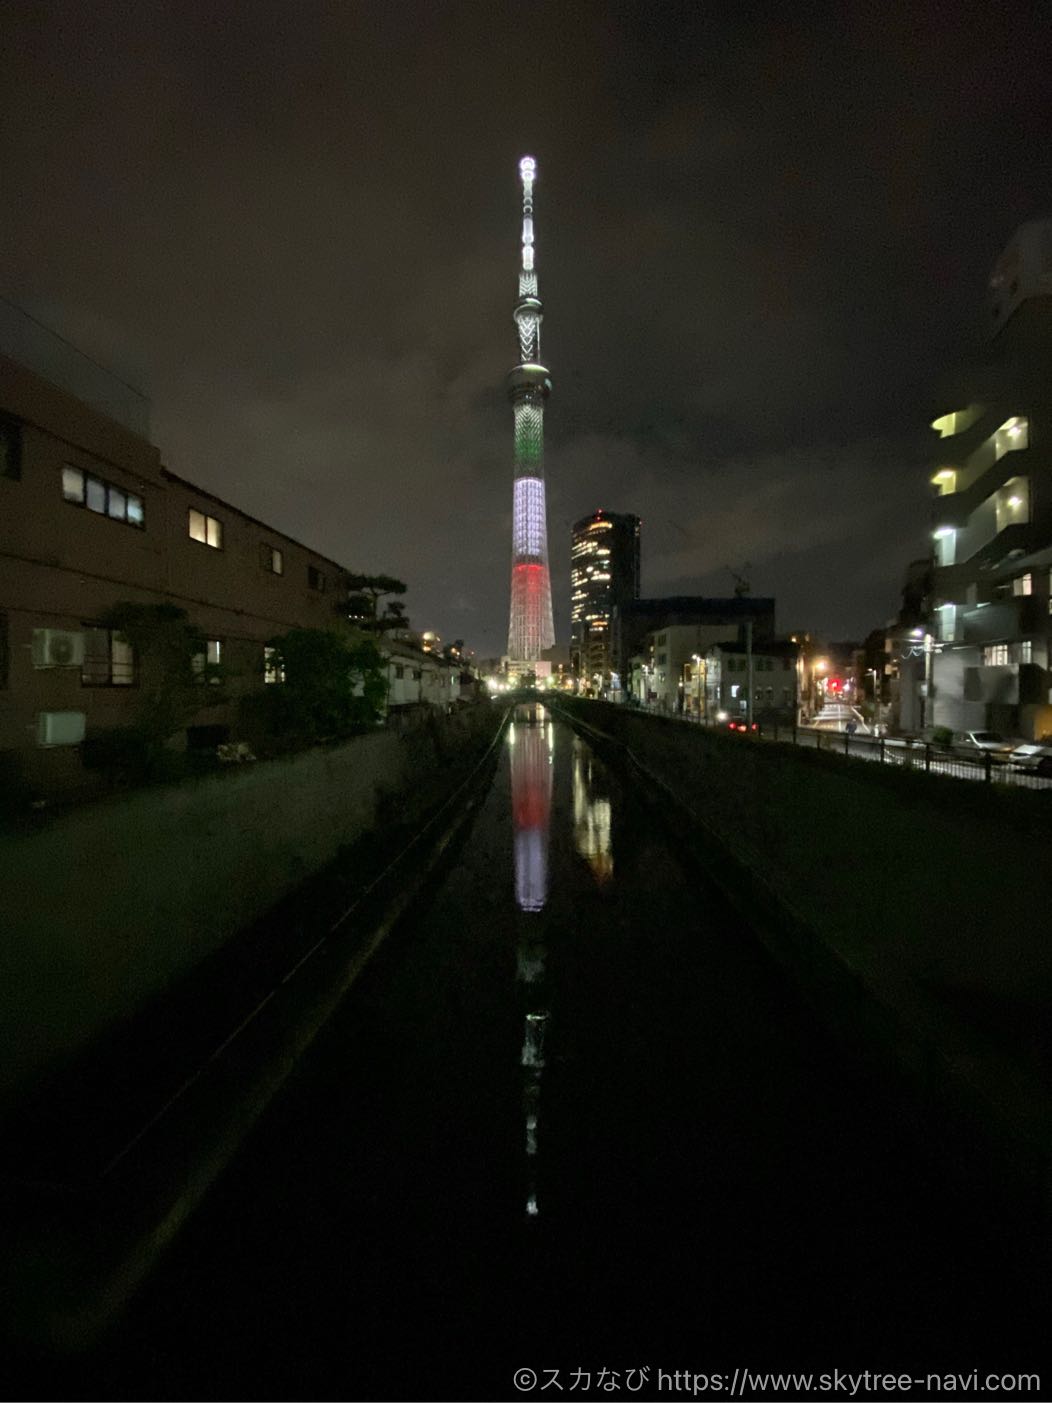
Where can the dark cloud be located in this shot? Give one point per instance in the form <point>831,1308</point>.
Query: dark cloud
<point>762,234</point>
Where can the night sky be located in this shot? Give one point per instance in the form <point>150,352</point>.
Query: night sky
<point>762,235</point>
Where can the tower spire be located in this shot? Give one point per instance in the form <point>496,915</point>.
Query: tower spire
<point>530,629</point>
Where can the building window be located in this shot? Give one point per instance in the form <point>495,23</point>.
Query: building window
<point>273,667</point>
<point>399,672</point>
<point>103,498</point>
<point>10,449</point>
<point>1023,584</point>
<point>1026,651</point>
<point>206,529</point>
<point>315,579</point>
<point>109,659</point>
<point>417,674</point>
<point>211,656</point>
<point>272,559</point>
<point>995,655</point>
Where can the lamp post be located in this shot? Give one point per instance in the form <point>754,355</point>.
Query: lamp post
<point>819,665</point>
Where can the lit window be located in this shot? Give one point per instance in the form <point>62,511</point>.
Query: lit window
<point>73,484</point>
<point>1023,584</point>
<point>272,559</point>
<point>1026,651</point>
<point>995,655</point>
<point>211,656</point>
<point>273,667</point>
<point>206,529</point>
<point>101,497</point>
<point>95,495</point>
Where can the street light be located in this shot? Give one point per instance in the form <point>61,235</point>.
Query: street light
<point>819,665</point>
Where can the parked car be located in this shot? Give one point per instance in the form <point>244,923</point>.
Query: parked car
<point>1035,759</point>
<point>981,743</point>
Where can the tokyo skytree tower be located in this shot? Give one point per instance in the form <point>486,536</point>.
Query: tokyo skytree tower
<point>530,630</point>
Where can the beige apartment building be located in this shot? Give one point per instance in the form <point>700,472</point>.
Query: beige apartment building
<point>89,517</point>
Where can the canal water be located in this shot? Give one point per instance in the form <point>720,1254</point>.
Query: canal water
<point>571,1119</point>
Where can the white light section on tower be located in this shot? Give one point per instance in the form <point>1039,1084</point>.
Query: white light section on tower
<point>529,534</point>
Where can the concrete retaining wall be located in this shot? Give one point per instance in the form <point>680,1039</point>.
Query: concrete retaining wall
<point>942,878</point>
<point>912,912</point>
<point>106,904</point>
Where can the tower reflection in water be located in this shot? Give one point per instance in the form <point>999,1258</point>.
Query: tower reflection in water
<point>531,739</point>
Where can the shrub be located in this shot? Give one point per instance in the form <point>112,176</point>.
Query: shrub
<point>333,686</point>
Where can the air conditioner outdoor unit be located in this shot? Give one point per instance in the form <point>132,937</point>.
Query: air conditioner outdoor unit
<point>60,727</point>
<point>55,647</point>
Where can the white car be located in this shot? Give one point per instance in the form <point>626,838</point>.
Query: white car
<point>990,743</point>
<point>1037,759</point>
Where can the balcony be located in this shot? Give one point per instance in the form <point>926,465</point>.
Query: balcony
<point>1009,619</point>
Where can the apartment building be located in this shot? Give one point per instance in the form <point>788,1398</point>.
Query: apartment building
<point>985,647</point>
<point>89,517</point>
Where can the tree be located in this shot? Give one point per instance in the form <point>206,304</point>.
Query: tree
<point>170,663</point>
<point>169,652</point>
<point>363,602</point>
<point>332,685</point>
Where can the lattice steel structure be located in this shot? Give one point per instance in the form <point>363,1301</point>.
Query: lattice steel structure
<point>530,630</point>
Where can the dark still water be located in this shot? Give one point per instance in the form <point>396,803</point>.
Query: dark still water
<point>571,1119</point>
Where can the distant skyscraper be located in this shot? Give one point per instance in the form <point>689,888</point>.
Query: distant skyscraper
<point>530,630</point>
<point>604,572</point>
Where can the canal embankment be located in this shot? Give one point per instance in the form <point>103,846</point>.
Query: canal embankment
<point>108,904</point>
<point>910,909</point>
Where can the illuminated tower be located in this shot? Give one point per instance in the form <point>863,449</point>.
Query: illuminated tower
<point>530,630</point>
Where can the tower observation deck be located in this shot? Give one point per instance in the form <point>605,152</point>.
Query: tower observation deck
<point>530,630</point>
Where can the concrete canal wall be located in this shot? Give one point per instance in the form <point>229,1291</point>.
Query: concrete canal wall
<point>911,909</point>
<point>106,904</point>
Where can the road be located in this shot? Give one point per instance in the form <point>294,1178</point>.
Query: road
<point>571,1118</point>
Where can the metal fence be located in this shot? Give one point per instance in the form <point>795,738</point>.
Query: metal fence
<point>890,750</point>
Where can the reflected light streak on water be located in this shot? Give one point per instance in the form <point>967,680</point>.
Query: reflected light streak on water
<point>592,814</point>
<point>531,747</point>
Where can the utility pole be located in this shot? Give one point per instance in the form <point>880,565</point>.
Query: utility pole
<point>748,672</point>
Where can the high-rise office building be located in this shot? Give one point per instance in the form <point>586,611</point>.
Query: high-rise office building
<point>604,573</point>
